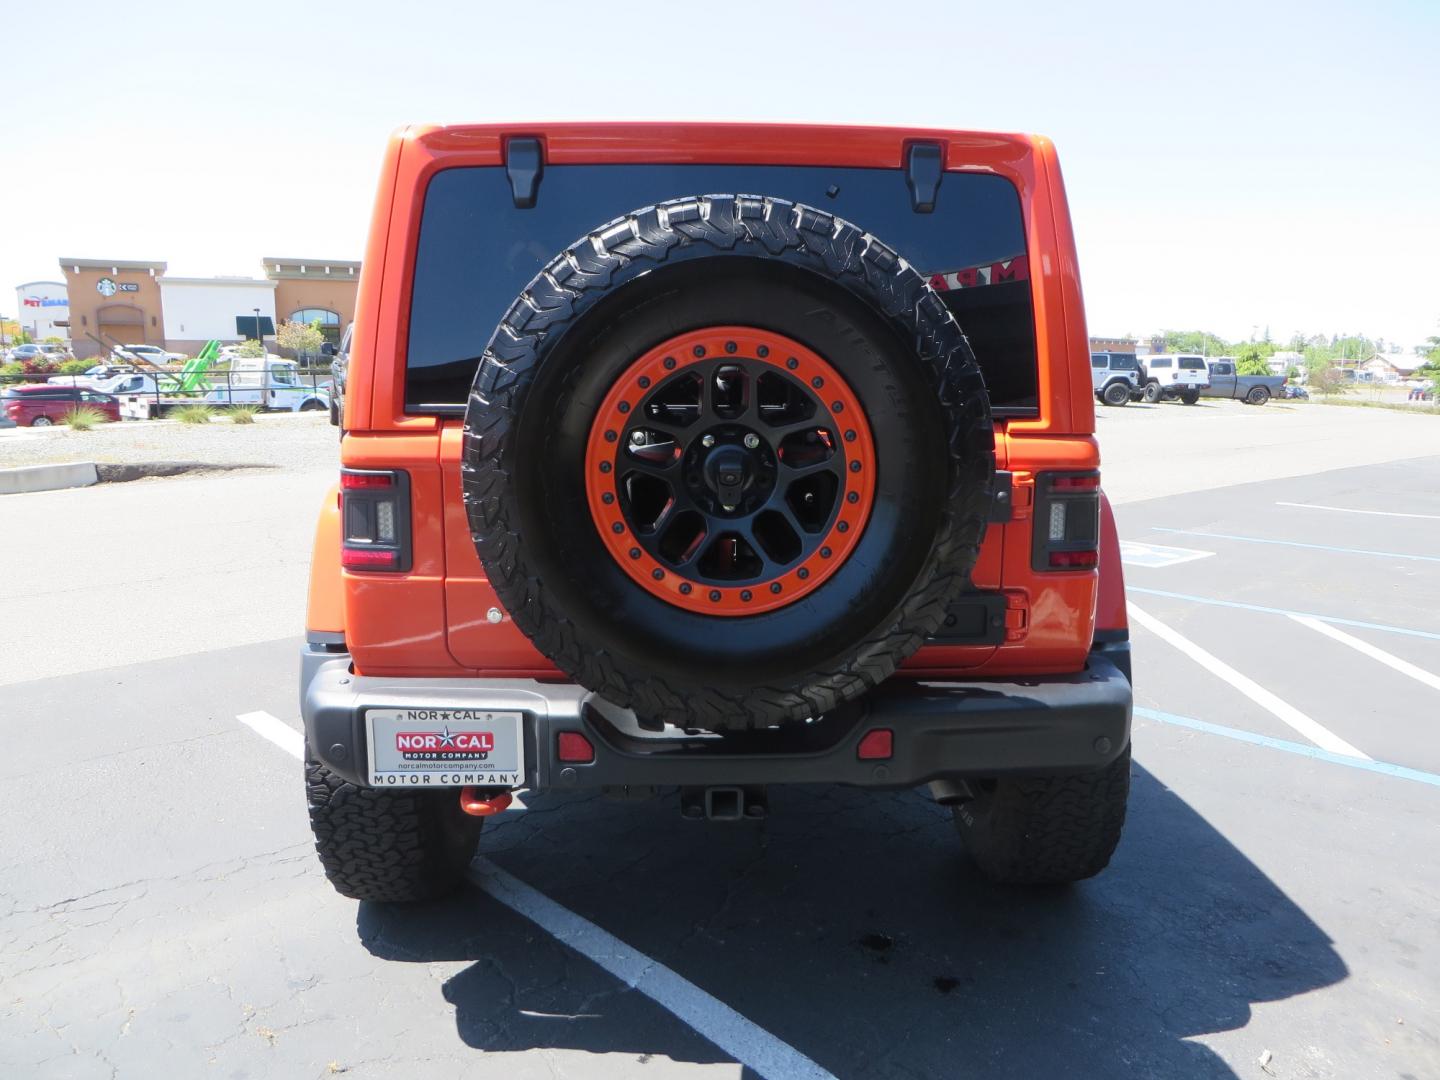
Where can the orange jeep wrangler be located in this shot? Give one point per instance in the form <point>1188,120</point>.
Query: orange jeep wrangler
<point>709,457</point>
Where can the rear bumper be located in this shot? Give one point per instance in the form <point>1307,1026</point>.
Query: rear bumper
<point>1047,724</point>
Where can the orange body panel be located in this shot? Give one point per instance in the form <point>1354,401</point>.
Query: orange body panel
<point>437,618</point>
<point>325,608</point>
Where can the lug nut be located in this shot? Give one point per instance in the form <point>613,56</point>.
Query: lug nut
<point>637,438</point>
<point>752,441</point>
<point>708,441</point>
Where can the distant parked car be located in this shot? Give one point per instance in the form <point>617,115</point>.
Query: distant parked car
<point>25,352</point>
<point>1294,391</point>
<point>1169,376</point>
<point>154,354</point>
<point>338,368</point>
<point>1115,377</point>
<point>1225,382</point>
<point>43,404</point>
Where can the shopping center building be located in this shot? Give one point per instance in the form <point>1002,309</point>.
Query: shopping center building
<point>125,302</point>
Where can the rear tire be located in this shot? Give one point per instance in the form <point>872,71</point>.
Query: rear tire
<point>1152,393</point>
<point>1045,830</point>
<point>1189,397</point>
<point>389,846</point>
<point>41,421</point>
<point>1117,393</point>
<point>1258,395</point>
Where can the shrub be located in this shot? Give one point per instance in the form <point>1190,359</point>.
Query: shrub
<point>242,414</point>
<point>74,367</point>
<point>14,367</point>
<point>40,365</point>
<point>84,418</point>
<point>192,414</point>
<point>251,347</point>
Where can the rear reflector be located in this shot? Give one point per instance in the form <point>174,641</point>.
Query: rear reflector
<point>368,559</point>
<point>877,745</point>
<point>1074,560</point>
<point>574,747</point>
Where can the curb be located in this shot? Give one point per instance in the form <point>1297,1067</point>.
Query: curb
<point>27,478</point>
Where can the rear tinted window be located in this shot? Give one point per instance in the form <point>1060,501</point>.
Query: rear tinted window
<point>478,251</point>
<point>1191,362</point>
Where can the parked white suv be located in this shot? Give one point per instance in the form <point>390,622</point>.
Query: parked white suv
<point>1115,377</point>
<point>1175,375</point>
<point>154,354</point>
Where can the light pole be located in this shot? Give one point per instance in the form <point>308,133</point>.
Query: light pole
<point>259,337</point>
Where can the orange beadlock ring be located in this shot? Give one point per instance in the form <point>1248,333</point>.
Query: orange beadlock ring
<point>853,442</point>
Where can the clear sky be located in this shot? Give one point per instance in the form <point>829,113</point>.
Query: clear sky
<point>1231,166</point>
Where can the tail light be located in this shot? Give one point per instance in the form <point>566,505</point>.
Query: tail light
<point>1067,521</point>
<point>375,520</point>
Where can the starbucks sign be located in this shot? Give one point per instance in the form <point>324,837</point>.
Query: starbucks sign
<point>109,286</point>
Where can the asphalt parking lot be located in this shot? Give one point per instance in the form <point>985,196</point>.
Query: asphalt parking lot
<point>1271,912</point>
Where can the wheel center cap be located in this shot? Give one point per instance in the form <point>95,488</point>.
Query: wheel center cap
<point>728,471</point>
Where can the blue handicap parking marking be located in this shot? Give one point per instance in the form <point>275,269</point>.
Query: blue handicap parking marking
<point>1133,553</point>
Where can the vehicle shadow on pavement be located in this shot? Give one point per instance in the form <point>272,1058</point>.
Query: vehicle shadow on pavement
<point>850,925</point>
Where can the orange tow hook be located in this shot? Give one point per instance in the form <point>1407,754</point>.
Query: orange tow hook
<point>477,805</point>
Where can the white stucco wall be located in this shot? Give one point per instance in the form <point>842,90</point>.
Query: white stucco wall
<point>197,309</point>
<point>38,304</point>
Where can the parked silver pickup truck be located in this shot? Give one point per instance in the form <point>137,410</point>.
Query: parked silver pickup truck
<point>1251,389</point>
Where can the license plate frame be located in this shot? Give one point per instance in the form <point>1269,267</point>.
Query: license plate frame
<point>414,747</point>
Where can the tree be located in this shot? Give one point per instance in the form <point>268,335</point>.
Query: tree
<point>1329,380</point>
<point>300,339</point>
<point>251,347</point>
<point>1253,359</point>
<point>1195,341</point>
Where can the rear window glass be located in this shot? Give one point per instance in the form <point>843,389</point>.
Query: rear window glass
<point>1097,361</point>
<point>478,251</point>
<point>1191,362</point>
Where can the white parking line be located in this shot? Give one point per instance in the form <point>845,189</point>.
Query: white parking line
<point>1352,510</point>
<point>1134,553</point>
<point>1403,666</point>
<point>1317,733</point>
<point>276,730</point>
<point>745,1041</point>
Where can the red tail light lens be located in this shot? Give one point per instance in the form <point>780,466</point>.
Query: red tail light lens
<point>1074,560</point>
<point>375,519</point>
<point>1076,483</point>
<point>366,481</point>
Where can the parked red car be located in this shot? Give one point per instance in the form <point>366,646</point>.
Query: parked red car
<point>43,404</point>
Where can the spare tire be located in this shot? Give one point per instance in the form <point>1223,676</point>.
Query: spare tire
<point>726,460</point>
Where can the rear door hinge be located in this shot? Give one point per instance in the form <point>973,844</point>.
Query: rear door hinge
<point>524,164</point>
<point>924,167</point>
<point>1017,614</point>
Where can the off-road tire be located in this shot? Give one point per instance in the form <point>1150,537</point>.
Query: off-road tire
<point>1151,393</point>
<point>637,651</point>
<point>1189,397</point>
<point>389,846</point>
<point>1117,393</point>
<point>1258,395</point>
<point>1045,830</point>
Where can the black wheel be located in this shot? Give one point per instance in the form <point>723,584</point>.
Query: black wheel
<point>1258,395</point>
<point>726,461</point>
<point>1152,393</point>
<point>1189,397</point>
<point>311,406</point>
<point>1045,830</point>
<point>1117,393</point>
<point>389,845</point>
<point>334,414</point>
